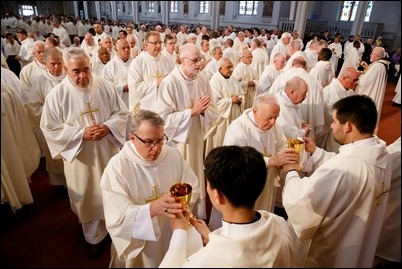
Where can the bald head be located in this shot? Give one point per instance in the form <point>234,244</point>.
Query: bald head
<point>295,83</point>
<point>296,90</point>
<point>349,78</point>
<point>377,54</point>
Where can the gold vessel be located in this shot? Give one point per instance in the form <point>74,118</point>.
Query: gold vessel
<point>296,144</point>
<point>182,193</point>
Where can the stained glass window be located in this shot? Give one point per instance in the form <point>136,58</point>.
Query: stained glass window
<point>174,6</point>
<point>349,10</point>
<point>248,7</point>
<point>27,10</point>
<point>151,6</point>
<point>204,6</point>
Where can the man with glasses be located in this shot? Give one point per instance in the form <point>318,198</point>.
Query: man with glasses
<point>146,72</point>
<point>135,189</point>
<point>169,49</point>
<point>185,103</point>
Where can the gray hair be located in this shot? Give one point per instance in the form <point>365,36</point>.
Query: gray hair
<point>38,43</point>
<point>51,52</point>
<point>70,53</point>
<point>188,49</point>
<point>223,61</point>
<point>279,55</point>
<point>140,115</point>
<point>295,83</point>
<point>264,99</point>
<point>295,44</point>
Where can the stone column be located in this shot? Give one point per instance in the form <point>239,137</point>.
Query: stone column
<point>97,9</point>
<point>86,14</point>
<point>214,14</point>
<point>293,8</point>
<point>357,26</point>
<point>165,10</point>
<point>136,16</point>
<point>76,9</point>
<point>114,10</point>
<point>301,16</point>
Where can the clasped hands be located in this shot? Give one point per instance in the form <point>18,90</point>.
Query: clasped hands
<point>96,132</point>
<point>236,99</point>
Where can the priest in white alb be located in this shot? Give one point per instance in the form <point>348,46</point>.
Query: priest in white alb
<point>228,96</point>
<point>146,72</point>
<point>257,128</point>
<point>373,81</point>
<point>135,190</point>
<point>312,107</point>
<point>41,86</point>
<point>248,78</point>
<point>84,123</point>
<point>342,86</point>
<point>20,153</point>
<point>186,104</point>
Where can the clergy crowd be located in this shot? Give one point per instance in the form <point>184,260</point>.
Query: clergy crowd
<point>123,111</point>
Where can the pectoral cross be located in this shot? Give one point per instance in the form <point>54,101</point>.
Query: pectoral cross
<point>382,194</point>
<point>157,75</point>
<point>89,113</point>
<point>265,153</point>
<point>156,194</point>
<point>192,103</point>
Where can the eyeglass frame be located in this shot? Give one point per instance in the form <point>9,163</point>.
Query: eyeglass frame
<point>194,61</point>
<point>153,143</point>
<point>155,42</point>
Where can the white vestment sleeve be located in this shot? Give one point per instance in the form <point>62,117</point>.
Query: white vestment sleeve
<point>184,127</point>
<point>176,255</point>
<point>74,147</point>
<point>183,244</point>
<point>145,227</point>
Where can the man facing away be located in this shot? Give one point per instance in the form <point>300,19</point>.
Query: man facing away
<point>248,238</point>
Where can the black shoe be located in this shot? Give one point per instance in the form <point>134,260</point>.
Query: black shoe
<point>95,250</point>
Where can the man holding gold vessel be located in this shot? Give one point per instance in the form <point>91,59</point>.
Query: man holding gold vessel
<point>248,238</point>
<point>135,190</point>
<point>337,212</point>
<point>257,128</point>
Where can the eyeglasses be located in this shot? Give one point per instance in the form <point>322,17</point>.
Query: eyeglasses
<point>195,61</point>
<point>155,43</point>
<point>153,143</point>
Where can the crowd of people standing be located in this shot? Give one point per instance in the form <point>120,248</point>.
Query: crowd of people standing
<point>122,111</point>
